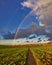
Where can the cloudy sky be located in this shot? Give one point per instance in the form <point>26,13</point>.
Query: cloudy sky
<point>20,13</point>
<point>43,11</point>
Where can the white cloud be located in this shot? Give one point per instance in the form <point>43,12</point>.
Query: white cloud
<point>26,4</point>
<point>43,10</point>
<point>41,24</point>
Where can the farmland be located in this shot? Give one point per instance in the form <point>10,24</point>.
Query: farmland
<point>12,55</point>
<point>24,54</point>
<point>43,54</point>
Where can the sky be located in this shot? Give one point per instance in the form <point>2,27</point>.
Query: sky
<point>43,11</point>
<point>35,15</point>
<point>11,14</point>
<point>14,13</point>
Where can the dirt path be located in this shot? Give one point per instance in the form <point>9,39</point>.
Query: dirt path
<point>30,59</point>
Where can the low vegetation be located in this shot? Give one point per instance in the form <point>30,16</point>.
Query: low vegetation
<point>43,54</point>
<point>17,55</point>
<point>13,55</point>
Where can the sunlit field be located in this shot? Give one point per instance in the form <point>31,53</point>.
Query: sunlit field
<point>13,55</point>
<point>43,54</point>
<point>19,54</point>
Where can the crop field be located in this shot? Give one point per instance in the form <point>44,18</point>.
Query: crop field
<point>12,55</point>
<point>43,54</point>
<point>18,55</point>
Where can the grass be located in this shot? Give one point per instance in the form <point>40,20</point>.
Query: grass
<point>43,54</point>
<point>17,55</point>
<point>13,55</point>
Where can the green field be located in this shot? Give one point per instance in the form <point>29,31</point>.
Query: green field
<point>43,54</point>
<point>13,55</point>
<point>17,55</point>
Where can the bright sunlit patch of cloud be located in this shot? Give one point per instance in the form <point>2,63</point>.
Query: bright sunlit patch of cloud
<point>28,4</point>
<point>41,24</point>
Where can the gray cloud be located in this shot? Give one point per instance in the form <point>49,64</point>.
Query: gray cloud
<point>43,10</point>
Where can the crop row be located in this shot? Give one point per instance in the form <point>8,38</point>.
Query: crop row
<point>43,54</point>
<point>13,56</point>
